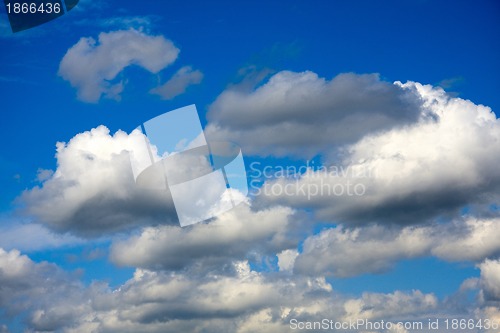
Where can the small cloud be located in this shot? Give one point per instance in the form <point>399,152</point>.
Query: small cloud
<point>43,175</point>
<point>91,66</point>
<point>178,84</point>
<point>452,82</point>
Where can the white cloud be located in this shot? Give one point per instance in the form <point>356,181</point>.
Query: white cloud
<point>93,187</point>
<point>349,252</point>
<point>51,297</point>
<point>389,306</point>
<point>178,83</point>
<point>302,114</point>
<point>490,280</point>
<point>345,253</point>
<point>92,66</point>
<point>233,235</point>
<point>212,301</point>
<point>409,174</point>
<point>286,259</point>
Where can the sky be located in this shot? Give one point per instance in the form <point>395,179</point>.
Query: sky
<point>371,141</point>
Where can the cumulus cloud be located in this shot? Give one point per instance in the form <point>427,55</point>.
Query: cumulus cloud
<point>236,234</point>
<point>395,305</point>
<point>373,249</point>
<point>183,302</point>
<point>92,66</point>
<point>51,297</point>
<point>178,83</point>
<point>345,253</point>
<point>490,280</point>
<point>286,259</point>
<point>93,187</point>
<point>303,114</point>
<point>406,174</point>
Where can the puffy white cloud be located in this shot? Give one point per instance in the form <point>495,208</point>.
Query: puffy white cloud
<point>91,66</point>
<point>242,301</point>
<point>349,252</point>
<point>51,297</point>
<point>406,174</point>
<point>286,259</point>
<point>93,187</point>
<point>490,280</point>
<point>471,239</point>
<point>303,114</point>
<point>236,234</point>
<point>389,306</point>
<point>345,253</point>
<point>178,83</point>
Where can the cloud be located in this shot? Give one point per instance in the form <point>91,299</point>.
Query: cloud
<point>409,174</point>
<point>490,280</point>
<point>373,249</point>
<point>234,235</point>
<point>33,237</point>
<point>93,187</point>
<point>236,300</point>
<point>178,83</point>
<point>52,297</point>
<point>395,305</point>
<point>286,259</point>
<point>346,253</point>
<point>92,66</point>
<point>185,302</point>
<point>302,114</point>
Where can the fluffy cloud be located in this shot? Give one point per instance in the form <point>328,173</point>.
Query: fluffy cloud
<point>51,297</point>
<point>395,305</point>
<point>490,280</point>
<point>93,187</point>
<point>91,66</point>
<point>243,301</point>
<point>408,174</point>
<point>302,114</point>
<point>373,249</point>
<point>345,253</point>
<point>178,84</point>
<point>236,234</point>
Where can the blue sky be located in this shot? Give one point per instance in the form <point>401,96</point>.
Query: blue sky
<point>288,81</point>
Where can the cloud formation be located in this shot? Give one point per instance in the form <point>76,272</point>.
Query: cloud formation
<point>435,166</point>
<point>302,114</point>
<point>92,66</point>
<point>178,83</point>
<point>243,301</point>
<point>94,189</point>
<point>373,249</point>
<point>234,235</point>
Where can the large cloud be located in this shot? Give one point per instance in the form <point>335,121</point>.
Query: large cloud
<point>373,249</point>
<point>302,114</point>
<point>490,280</point>
<point>237,234</point>
<point>244,301</point>
<point>93,190</point>
<point>91,66</point>
<point>50,296</point>
<point>407,174</point>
